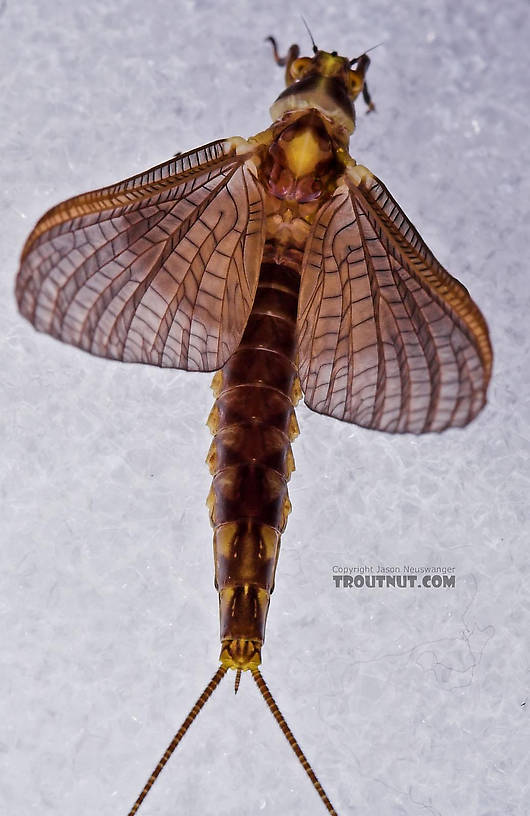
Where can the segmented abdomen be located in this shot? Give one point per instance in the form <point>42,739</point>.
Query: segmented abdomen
<point>253,422</point>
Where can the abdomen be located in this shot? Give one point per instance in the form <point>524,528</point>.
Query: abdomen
<point>253,423</point>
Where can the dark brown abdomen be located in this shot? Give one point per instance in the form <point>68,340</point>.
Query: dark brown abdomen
<point>250,458</point>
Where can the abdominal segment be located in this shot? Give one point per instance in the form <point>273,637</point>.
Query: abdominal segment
<point>250,457</point>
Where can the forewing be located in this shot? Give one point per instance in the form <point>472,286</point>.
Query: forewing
<point>387,338</point>
<point>161,268</point>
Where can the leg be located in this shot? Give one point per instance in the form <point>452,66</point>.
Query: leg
<point>368,99</point>
<point>361,68</point>
<point>292,54</point>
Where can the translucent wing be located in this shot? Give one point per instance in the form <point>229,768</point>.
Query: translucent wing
<point>387,338</point>
<point>161,268</point>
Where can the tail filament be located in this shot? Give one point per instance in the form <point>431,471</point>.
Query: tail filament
<point>206,694</point>
<point>278,716</point>
<point>237,681</point>
<point>291,739</point>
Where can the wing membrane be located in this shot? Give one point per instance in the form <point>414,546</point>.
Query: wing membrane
<point>387,338</point>
<point>161,268</point>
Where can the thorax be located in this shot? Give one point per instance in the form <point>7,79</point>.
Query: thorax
<point>300,167</point>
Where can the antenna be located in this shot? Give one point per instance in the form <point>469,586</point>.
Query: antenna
<point>356,59</point>
<point>315,49</point>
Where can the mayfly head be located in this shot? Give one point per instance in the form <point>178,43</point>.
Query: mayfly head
<point>325,82</point>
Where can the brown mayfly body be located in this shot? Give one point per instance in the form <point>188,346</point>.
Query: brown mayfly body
<point>288,269</point>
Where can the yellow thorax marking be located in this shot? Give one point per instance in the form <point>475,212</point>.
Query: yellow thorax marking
<point>302,153</point>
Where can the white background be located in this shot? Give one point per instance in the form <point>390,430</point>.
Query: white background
<point>407,702</point>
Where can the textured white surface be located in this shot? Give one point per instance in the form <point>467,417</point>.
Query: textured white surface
<point>407,702</point>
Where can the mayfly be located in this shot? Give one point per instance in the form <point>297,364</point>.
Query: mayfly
<point>288,269</point>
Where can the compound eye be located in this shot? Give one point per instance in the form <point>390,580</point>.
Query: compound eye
<point>354,82</point>
<point>300,67</point>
